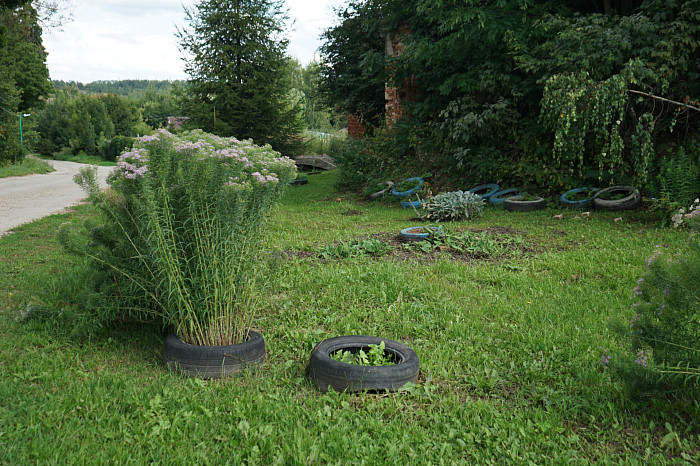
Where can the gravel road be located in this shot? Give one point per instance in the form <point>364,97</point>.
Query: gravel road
<point>27,198</point>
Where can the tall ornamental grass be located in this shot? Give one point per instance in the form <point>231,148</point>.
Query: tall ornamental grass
<point>183,222</point>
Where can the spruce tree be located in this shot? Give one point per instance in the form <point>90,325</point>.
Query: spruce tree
<point>239,82</point>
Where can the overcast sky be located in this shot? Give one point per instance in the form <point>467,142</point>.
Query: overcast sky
<point>135,39</point>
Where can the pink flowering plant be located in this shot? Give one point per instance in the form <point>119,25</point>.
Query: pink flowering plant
<point>664,331</point>
<point>183,220</point>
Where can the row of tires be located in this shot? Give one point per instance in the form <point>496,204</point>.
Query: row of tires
<point>627,198</point>
<point>213,362</point>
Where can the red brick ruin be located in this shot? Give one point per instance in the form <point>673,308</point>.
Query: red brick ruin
<point>394,106</point>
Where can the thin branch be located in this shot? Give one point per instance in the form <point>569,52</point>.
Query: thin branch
<point>680,104</point>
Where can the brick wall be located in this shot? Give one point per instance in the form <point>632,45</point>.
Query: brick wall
<point>356,127</point>
<point>394,107</point>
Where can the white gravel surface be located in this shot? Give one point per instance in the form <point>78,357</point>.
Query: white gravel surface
<point>27,198</point>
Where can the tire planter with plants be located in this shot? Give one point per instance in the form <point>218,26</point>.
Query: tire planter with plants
<point>485,190</point>
<point>629,202</point>
<point>500,197</point>
<point>417,233</point>
<point>517,204</point>
<point>408,204</point>
<point>567,199</point>
<point>213,362</point>
<point>326,373</point>
<point>419,185</point>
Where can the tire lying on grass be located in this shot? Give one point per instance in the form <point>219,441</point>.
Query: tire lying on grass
<point>410,204</point>
<point>516,204</point>
<point>213,362</point>
<point>564,199</point>
<point>418,233</point>
<point>326,373</point>
<point>500,197</point>
<point>629,202</point>
<point>419,185</point>
<point>485,190</point>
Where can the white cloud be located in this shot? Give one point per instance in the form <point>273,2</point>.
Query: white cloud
<point>135,39</point>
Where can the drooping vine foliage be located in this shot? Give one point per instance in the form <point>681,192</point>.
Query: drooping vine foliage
<point>587,118</point>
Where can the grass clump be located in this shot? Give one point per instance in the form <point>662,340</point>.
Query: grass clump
<point>28,166</point>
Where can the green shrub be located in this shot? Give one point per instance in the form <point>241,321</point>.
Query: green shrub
<point>455,205</point>
<point>181,231</point>
<point>111,149</point>
<point>664,333</point>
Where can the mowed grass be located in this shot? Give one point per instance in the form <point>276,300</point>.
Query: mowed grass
<point>509,348</point>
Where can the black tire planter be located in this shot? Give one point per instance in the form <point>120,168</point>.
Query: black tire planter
<point>500,197</point>
<point>490,189</point>
<point>299,182</point>
<point>408,234</point>
<point>213,362</point>
<point>407,204</point>
<point>516,204</point>
<point>326,373</point>
<point>413,190</point>
<point>581,202</point>
<point>629,202</point>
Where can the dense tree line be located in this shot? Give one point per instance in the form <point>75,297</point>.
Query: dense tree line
<point>499,90</point>
<point>24,77</point>
<point>74,121</point>
<point>132,88</point>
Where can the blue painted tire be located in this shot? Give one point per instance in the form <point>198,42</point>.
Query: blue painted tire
<point>581,202</point>
<point>500,197</point>
<point>407,204</point>
<point>491,188</point>
<point>413,190</point>
<point>299,182</point>
<point>423,235</point>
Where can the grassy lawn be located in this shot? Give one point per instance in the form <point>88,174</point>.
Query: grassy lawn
<point>509,346</point>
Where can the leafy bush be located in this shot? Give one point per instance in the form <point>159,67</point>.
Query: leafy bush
<point>665,330</point>
<point>111,149</point>
<point>181,230</point>
<point>455,205</point>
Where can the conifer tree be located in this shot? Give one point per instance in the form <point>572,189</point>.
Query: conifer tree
<point>239,82</point>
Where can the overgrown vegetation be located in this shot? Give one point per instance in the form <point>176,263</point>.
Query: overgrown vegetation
<point>549,97</point>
